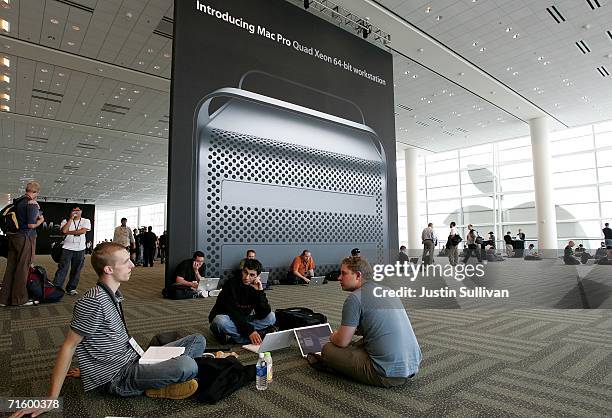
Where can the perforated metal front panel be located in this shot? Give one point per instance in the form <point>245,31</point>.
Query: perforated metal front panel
<point>235,157</point>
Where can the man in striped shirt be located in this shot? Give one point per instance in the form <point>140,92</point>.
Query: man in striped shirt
<point>107,356</point>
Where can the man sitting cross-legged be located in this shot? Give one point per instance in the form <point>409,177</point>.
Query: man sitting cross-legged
<point>108,357</point>
<point>388,354</point>
<point>242,311</point>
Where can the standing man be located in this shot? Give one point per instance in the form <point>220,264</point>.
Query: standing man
<point>108,356</point>
<point>163,246</point>
<point>302,269</point>
<point>452,245</point>
<point>123,236</point>
<point>429,238</point>
<point>509,247</point>
<point>472,246</point>
<point>607,234</point>
<point>149,242</point>
<point>520,235</point>
<point>73,250</point>
<point>388,354</point>
<point>21,248</point>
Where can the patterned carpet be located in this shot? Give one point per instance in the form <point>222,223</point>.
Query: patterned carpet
<point>517,357</point>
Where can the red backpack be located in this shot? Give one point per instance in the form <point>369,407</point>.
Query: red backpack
<point>40,288</point>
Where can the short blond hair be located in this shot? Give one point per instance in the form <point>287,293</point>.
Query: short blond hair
<point>103,255</point>
<point>359,264</point>
<point>32,186</point>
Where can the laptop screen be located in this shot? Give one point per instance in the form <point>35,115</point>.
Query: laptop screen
<point>312,339</point>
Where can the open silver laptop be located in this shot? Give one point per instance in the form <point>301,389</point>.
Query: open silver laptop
<point>263,276</point>
<point>315,281</point>
<point>272,341</point>
<point>208,284</point>
<point>311,339</point>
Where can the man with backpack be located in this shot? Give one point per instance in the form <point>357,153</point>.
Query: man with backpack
<point>20,222</point>
<point>473,241</point>
<point>73,250</point>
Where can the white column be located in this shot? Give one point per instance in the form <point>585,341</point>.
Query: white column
<point>546,217</point>
<point>412,200</point>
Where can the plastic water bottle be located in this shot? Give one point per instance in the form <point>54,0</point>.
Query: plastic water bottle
<point>261,373</point>
<point>268,359</point>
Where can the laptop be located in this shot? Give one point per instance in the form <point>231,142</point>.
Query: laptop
<point>208,284</point>
<point>311,339</point>
<point>315,281</point>
<point>263,276</point>
<point>272,341</point>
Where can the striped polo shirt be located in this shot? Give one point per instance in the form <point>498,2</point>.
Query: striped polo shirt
<point>105,349</point>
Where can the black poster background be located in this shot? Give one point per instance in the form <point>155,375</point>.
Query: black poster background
<point>54,213</point>
<point>210,53</point>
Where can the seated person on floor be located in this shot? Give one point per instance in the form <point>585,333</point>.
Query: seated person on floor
<point>583,254</point>
<point>189,272</point>
<point>601,251</point>
<point>388,354</point>
<point>108,357</point>
<point>250,255</point>
<point>531,253</point>
<point>242,312</point>
<point>568,254</point>
<point>608,259</point>
<point>491,255</point>
<point>302,269</point>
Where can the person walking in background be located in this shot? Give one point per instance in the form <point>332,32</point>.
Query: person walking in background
<point>472,245</point>
<point>123,236</point>
<point>509,246</point>
<point>607,234</point>
<point>148,242</point>
<point>429,239</point>
<point>21,248</point>
<point>73,250</point>
<point>163,246</point>
<point>452,245</point>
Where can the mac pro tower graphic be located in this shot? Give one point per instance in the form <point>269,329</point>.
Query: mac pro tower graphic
<point>279,178</point>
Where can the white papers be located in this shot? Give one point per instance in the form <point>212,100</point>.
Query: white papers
<point>155,355</point>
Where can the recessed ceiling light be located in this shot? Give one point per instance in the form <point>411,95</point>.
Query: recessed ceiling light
<point>5,25</point>
<point>166,55</point>
<point>474,43</point>
<point>5,78</point>
<point>140,62</point>
<point>515,73</point>
<point>546,63</point>
<point>156,67</point>
<point>414,76</point>
<point>136,91</point>
<point>428,9</point>
<point>540,58</point>
<point>438,18</point>
<point>461,74</point>
<point>483,49</point>
<point>75,27</point>
<point>6,62</point>
<point>508,29</point>
<point>44,70</point>
<point>508,68</point>
<point>516,35</point>
<point>54,21</point>
<point>60,74</point>
<point>70,43</point>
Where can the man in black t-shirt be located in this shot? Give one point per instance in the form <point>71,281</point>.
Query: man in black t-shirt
<point>568,254</point>
<point>189,272</point>
<point>607,234</point>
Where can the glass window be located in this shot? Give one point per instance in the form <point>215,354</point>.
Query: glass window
<point>605,174</point>
<point>573,162</point>
<point>443,192</point>
<point>516,154</point>
<point>571,145</point>
<point>583,229</point>
<point>604,158</point>
<point>605,192</point>
<point>571,133</point>
<point>477,189</point>
<point>514,200</point>
<point>574,178</point>
<point>446,179</point>
<point>603,140</point>
<point>603,126</point>
<point>475,161</point>
<point>479,175</point>
<point>477,203</point>
<point>519,215</point>
<point>444,206</point>
<point>514,143</point>
<point>606,211</point>
<point>153,215</point>
<point>442,220</point>
<point>448,155</point>
<point>132,217</point>
<point>516,170</point>
<point>520,184</point>
<point>104,225</point>
<point>442,166</point>
<point>575,195</point>
<point>530,230</point>
<point>478,149</point>
<point>479,217</point>
<point>580,211</point>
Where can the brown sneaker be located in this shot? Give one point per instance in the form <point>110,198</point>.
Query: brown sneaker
<point>174,391</point>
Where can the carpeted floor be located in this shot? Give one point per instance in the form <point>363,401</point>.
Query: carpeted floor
<point>517,357</point>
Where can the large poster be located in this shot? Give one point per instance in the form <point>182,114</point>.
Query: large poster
<point>282,138</point>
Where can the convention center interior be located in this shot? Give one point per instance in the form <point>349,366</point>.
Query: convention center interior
<point>309,208</point>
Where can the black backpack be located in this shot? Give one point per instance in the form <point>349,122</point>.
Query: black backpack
<point>220,377</point>
<point>332,276</point>
<point>298,317</point>
<point>40,288</point>
<point>8,217</point>
<point>177,291</point>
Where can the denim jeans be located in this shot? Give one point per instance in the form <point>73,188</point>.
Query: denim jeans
<point>472,248</point>
<point>135,378</point>
<point>223,325</point>
<point>73,261</point>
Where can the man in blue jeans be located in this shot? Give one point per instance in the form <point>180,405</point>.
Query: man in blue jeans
<point>108,356</point>
<point>242,312</point>
<point>73,250</point>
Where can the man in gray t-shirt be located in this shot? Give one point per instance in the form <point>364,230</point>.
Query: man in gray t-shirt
<point>388,354</point>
